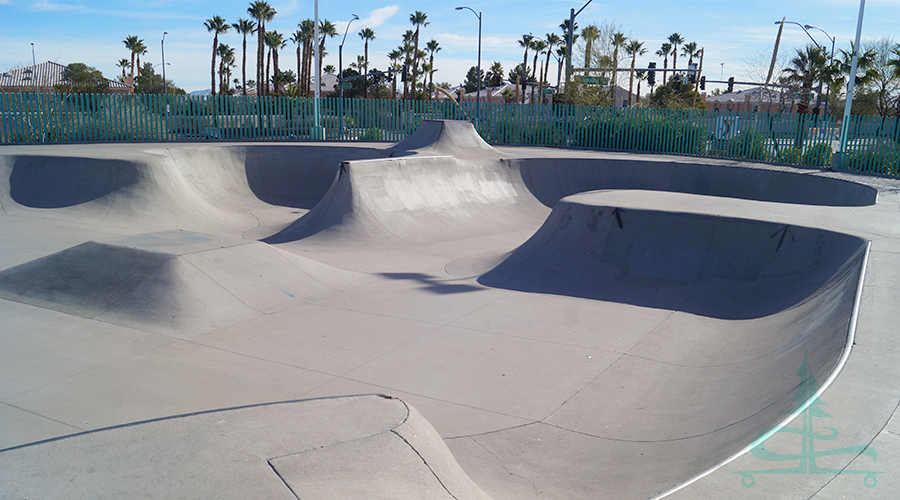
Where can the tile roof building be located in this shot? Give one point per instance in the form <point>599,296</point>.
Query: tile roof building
<point>44,77</point>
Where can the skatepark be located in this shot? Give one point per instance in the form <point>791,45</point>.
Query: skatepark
<point>441,318</point>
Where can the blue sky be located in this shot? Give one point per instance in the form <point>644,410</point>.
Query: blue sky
<point>91,31</point>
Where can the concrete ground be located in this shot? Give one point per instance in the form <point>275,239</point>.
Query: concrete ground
<point>442,319</point>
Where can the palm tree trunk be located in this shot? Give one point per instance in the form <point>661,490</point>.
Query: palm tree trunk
<point>631,79</point>
<point>212,71</point>
<point>244,67</point>
<point>275,74</point>
<point>260,57</point>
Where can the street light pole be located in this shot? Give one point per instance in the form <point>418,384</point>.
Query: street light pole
<point>845,125</point>
<point>340,57</point>
<point>162,47</point>
<point>572,16</point>
<point>478,68</point>
<point>827,90</point>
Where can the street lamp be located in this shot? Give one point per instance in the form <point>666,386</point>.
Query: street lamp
<point>827,90</point>
<point>572,15</point>
<point>162,48</point>
<point>340,57</point>
<point>478,69</point>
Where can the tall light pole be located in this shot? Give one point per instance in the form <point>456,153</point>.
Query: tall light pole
<point>572,16</point>
<point>162,48</point>
<point>340,56</point>
<point>478,68</point>
<point>317,132</point>
<point>831,60</point>
<point>845,125</point>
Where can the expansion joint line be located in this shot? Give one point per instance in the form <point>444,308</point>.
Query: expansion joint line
<point>285,483</point>
<point>433,473</point>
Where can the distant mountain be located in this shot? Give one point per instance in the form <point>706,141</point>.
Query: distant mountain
<point>201,92</point>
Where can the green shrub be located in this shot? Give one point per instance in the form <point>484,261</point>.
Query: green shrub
<point>372,134</point>
<point>879,157</point>
<point>818,155</point>
<point>749,145</point>
<point>789,154</point>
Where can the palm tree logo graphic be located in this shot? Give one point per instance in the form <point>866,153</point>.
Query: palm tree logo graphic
<point>809,406</point>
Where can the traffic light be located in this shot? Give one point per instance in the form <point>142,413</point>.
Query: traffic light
<point>405,73</point>
<point>651,75</point>
<point>702,83</point>
<point>731,84</point>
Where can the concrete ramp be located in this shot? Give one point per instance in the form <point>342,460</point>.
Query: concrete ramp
<point>417,200</point>
<point>171,282</point>
<point>372,447</point>
<point>455,138</point>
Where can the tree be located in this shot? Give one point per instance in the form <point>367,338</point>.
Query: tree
<point>275,42</point>
<point>226,62</point>
<point>884,81</point>
<point>472,76</point>
<point>262,12</point>
<point>216,25</point>
<point>664,50</point>
<point>552,42</point>
<point>244,27</point>
<point>394,56</point>
<point>367,35</point>
<point>810,65</point>
<point>124,64</point>
<point>634,48</point>
<point>690,50</point>
<point>618,40</point>
<point>538,46</point>
<point>675,39</point>
<point>150,82</point>
<point>304,35</point>
<point>526,43</point>
<point>589,34</point>
<point>79,78</point>
<point>139,50</point>
<point>419,20</point>
<point>132,43</point>
<point>433,47</point>
<point>326,29</point>
<point>495,74</point>
<point>675,94</point>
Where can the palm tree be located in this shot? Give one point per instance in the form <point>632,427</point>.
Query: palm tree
<point>124,64</point>
<point>217,25</point>
<point>495,72</point>
<point>326,29</point>
<point>526,43</point>
<point>394,56</point>
<point>634,48</point>
<point>407,49</point>
<point>367,35</point>
<point>417,19</point>
<point>552,41</point>
<point>244,27</point>
<point>275,42</point>
<point>590,33</point>
<point>139,49</point>
<point>618,40</point>
<point>262,12</point>
<point>305,34</point>
<point>807,67</point>
<point>538,46</point>
<point>675,39</point>
<point>433,48</point>
<point>561,55</point>
<point>131,43</point>
<point>664,50</point>
<point>226,60</point>
<point>690,50</point>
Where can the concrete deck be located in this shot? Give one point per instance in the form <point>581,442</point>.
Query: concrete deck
<point>196,320</point>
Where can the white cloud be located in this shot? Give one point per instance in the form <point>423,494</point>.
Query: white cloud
<point>378,16</point>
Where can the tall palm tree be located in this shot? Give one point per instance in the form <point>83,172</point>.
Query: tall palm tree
<point>131,43</point>
<point>124,64</point>
<point>807,67</point>
<point>218,26</point>
<point>495,74</point>
<point>305,34</point>
<point>394,56</point>
<point>526,43</point>
<point>634,48</point>
<point>419,20</point>
<point>262,12</point>
<point>590,33</point>
<point>690,51</point>
<point>552,42</point>
<point>664,50</point>
<point>433,47</point>
<point>326,29</point>
<point>139,49</point>
<point>561,55</point>
<point>675,39</point>
<point>618,40</point>
<point>226,59</point>
<point>244,27</point>
<point>407,49</point>
<point>367,35</point>
<point>275,42</point>
<point>538,46</point>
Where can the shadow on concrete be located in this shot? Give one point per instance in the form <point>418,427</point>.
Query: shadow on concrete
<point>59,181</point>
<point>432,284</point>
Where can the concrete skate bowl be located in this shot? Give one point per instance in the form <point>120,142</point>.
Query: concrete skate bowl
<point>208,189</point>
<point>746,309</point>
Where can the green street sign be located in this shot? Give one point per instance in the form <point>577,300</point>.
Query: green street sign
<point>346,85</point>
<point>592,80</point>
<point>547,91</point>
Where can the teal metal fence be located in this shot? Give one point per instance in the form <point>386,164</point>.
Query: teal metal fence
<point>781,138</point>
